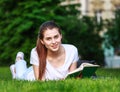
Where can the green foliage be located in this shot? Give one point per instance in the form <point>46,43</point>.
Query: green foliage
<point>85,35</point>
<point>113,32</point>
<point>20,21</point>
<point>91,41</point>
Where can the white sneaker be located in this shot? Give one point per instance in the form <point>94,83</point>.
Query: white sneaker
<point>12,69</point>
<point>19,56</point>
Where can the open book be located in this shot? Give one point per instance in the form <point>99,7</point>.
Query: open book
<point>84,70</point>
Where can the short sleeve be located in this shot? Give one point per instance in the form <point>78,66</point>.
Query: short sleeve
<point>71,53</point>
<point>34,57</point>
<point>76,56</point>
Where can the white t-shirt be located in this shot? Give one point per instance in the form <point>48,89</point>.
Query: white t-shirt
<point>52,73</point>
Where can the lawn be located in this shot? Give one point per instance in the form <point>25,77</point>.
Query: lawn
<point>108,80</point>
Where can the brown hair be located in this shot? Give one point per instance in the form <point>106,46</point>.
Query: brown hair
<point>41,49</point>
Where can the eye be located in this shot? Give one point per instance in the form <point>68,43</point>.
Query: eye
<point>48,38</point>
<point>56,36</point>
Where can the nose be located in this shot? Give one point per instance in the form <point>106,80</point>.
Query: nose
<point>53,40</point>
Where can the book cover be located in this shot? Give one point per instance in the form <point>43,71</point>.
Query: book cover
<point>85,70</point>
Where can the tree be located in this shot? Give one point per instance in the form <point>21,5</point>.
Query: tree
<point>113,32</point>
<point>85,35</point>
<point>20,21</point>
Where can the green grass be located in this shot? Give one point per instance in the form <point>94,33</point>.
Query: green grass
<point>108,81</point>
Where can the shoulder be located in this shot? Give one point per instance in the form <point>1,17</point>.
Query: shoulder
<point>70,49</point>
<point>34,57</point>
<point>71,53</point>
<point>34,52</point>
<point>69,46</point>
<point>33,49</point>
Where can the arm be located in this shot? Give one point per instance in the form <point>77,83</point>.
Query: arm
<point>74,58</point>
<point>36,71</point>
<point>73,66</point>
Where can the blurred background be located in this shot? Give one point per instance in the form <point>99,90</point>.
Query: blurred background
<point>93,26</point>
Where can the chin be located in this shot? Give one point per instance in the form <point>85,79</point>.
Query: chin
<point>54,50</point>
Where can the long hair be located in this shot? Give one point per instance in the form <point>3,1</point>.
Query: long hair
<point>41,49</point>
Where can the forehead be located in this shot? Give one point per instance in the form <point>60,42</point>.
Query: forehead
<point>51,32</point>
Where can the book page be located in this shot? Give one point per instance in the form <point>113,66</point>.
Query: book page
<point>88,64</point>
<point>76,70</point>
<point>80,68</point>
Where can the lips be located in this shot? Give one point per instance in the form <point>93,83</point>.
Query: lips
<point>54,46</point>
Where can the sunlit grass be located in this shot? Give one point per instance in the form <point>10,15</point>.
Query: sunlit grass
<point>108,80</point>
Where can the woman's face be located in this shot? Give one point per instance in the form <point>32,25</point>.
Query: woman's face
<point>52,39</point>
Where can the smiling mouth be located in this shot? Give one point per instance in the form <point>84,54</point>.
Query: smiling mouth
<point>55,46</point>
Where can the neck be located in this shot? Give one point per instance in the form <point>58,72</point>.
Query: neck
<point>57,53</point>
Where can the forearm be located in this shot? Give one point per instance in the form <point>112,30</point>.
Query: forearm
<point>36,71</point>
<point>73,66</point>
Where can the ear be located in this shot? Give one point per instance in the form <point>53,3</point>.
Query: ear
<point>42,42</point>
<point>61,36</point>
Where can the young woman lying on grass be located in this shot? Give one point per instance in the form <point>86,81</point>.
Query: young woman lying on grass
<point>50,59</point>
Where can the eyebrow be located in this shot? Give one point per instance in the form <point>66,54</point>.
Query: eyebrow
<point>50,37</point>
